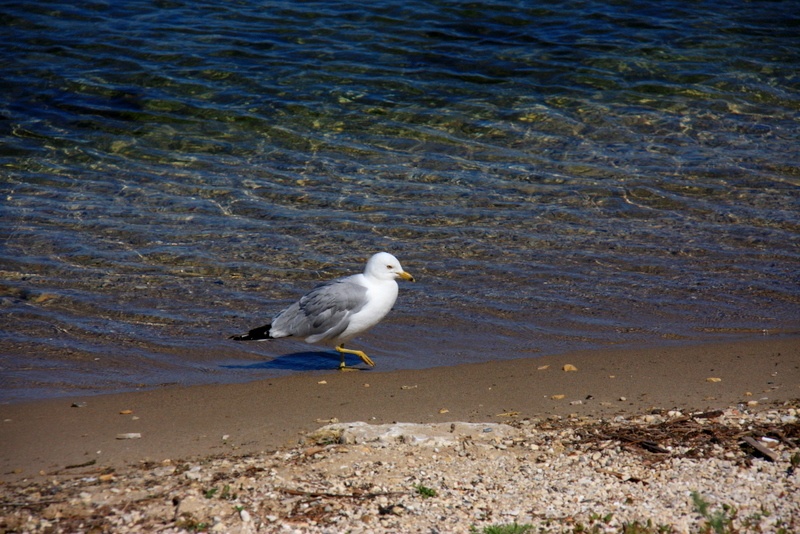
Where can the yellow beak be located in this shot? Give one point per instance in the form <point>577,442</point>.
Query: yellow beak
<point>405,276</point>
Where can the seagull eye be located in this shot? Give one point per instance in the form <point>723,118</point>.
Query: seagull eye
<point>389,267</point>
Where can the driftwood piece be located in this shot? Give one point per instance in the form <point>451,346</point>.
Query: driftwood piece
<point>652,446</point>
<point>763,450</point>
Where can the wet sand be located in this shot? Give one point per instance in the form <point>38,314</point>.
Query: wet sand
<point>52,437</point>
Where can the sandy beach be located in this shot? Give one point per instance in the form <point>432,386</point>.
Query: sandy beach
<point>176,423</point>
<point>74,437</point>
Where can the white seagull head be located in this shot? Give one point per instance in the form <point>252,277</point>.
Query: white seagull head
<point>384,266</point>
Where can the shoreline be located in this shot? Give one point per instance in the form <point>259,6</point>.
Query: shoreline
<point>45,437</point>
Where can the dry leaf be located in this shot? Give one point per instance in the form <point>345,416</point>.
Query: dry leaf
<point>508,414</point>
<point>543,367</point>
<point>126,412</point>
<point>408,387</point>
<point>713,379</point>
<point>557,397</point>
<point>570,367</point>
<point>322,382</point>
<point>444,410</point>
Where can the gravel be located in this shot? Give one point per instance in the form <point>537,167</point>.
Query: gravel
<point>655,472</point>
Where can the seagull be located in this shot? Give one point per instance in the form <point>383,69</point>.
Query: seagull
<point>336,311</point>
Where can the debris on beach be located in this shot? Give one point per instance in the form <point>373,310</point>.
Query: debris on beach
<point>553,474</point>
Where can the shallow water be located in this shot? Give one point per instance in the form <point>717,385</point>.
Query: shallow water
<point>559,176</point>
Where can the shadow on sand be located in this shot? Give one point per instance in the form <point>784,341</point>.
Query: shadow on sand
<point>302,361</point>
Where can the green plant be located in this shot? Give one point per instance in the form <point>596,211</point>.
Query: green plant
<point>509,528</point>
<point>601,518</point>
<point>425,491</point>
<point>646,528</point>
<point>720,522</point>
<point>192,526</point>
<point>794,462</point>
<point>225,494</point>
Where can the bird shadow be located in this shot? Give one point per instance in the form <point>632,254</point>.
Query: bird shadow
<point>301,361</point>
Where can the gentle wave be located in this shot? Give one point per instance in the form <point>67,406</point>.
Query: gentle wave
<point>557,177</point>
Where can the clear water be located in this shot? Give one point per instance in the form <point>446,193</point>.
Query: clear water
<point>557,175</point>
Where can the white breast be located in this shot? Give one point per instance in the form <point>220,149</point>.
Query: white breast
<point>381,296</point>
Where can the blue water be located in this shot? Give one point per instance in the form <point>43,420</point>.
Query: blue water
<point>557,175</point>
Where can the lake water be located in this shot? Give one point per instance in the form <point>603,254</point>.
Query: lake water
<point>557,176</point>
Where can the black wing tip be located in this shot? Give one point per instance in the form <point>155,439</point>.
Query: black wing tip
<point>262,332</point>
<point>241,337</point>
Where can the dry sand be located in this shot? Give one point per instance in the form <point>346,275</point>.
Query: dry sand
<point>47,437</point>
<point>604,441</point>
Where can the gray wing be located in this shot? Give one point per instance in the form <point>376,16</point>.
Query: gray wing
<point>322,314</point>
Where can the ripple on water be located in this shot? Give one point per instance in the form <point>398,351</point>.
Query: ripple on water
<point>557,177</point>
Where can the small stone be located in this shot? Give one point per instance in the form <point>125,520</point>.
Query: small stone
<point>194,473</point>
<point>129,435</point>
<point>189,506</point>
<point>311,451</point>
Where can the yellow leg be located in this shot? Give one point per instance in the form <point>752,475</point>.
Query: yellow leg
<point>358,353</point>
